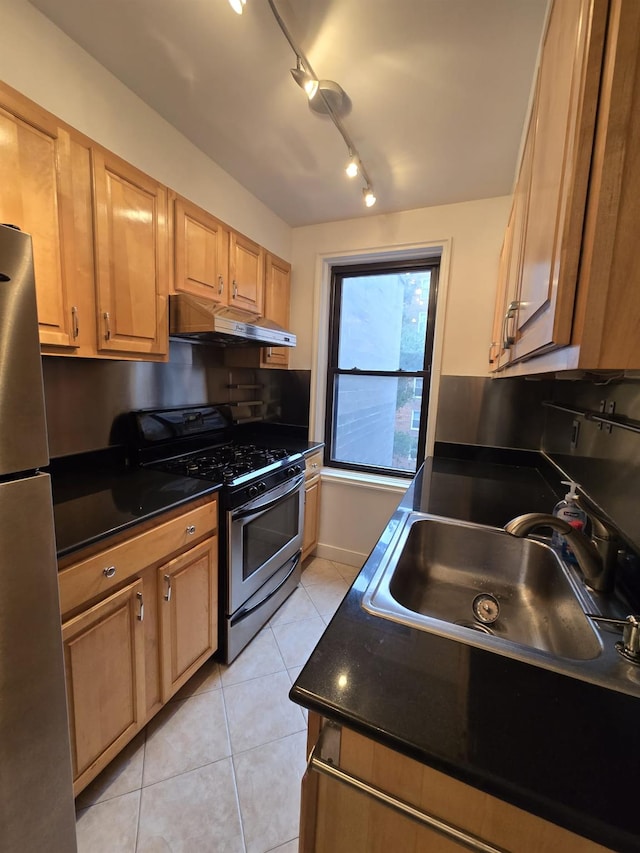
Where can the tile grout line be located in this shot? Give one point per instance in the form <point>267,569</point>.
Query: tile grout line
<point>144,755</point>
<point>233,768</point>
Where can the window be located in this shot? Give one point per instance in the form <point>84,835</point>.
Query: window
<point>380,349</point>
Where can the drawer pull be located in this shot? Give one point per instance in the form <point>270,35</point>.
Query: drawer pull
<point>109,572</point>
<point>141,602</point>
<point>167,595</point>
<point>191,529</point>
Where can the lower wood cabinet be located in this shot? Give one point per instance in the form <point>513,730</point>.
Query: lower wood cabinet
<point>312,488</point>
<point>139,617</point>
<point>188,588</point>
<point>104,666</point>
<point>338,817</point>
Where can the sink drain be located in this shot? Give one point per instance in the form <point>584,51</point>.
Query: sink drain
<point>475,626</point>
<point>486,608</point>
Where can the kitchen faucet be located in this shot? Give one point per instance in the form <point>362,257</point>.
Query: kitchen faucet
<point>596,556</point>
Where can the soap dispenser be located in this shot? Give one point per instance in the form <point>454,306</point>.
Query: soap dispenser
<point>569,510</point>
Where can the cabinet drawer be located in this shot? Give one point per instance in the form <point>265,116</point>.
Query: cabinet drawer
<point>313,464</point>
<point>101,572</point>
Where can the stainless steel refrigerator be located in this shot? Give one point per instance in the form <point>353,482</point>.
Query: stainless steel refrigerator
<point>36,793</point>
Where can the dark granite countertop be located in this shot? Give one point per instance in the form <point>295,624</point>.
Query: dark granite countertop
<point>97,495</point>
<point>556,746</point>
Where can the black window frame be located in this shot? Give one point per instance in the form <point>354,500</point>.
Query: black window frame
<point>338,274</point>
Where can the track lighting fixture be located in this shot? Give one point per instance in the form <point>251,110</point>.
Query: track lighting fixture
<point>352,166</point>
<point>305,80</point>
<point>326,97</point>
<point>369,197</point>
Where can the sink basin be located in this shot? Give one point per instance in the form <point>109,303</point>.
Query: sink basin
<point>436,568</point>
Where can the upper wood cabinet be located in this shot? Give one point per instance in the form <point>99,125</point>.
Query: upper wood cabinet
<point>34,175</point>
<point>201,253</point>
<point>577,294</point>
<point>246,271</point>
<point>277,300</point>
<point>131,244</point>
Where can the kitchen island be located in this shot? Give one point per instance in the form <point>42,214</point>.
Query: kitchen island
<point>556,747</point>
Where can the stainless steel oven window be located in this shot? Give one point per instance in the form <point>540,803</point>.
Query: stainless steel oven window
<point>268,534</point>
<point>262,535</point>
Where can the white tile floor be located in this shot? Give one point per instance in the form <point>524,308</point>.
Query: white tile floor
<point>219,768</point>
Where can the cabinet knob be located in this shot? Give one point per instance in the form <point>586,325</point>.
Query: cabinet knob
<point>109,572</point>
<point>191,529</point>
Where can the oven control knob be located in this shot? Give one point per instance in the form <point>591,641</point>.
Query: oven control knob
<point>262,487</point>
<point>253,491</point>
<point>295,469</point>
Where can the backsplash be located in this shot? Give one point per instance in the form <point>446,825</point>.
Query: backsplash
<point>511,413</point>
<point>85,397</point>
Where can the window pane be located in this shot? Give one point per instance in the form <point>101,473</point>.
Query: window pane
<point>383,321</point>
<point>373,417</point>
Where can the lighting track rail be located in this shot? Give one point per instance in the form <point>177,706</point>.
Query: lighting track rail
<point>315,88</point>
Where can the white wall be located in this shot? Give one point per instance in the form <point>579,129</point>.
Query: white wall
<point>40,61</point>
<point>475,230</point>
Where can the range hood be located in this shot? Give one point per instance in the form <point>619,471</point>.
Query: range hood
<point>203,321</point>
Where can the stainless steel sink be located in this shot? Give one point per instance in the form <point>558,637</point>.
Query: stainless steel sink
<point>434,570</point>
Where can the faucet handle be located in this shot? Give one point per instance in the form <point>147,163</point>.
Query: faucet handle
<point>629,648</point>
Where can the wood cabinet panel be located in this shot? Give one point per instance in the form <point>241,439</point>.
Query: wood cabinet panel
<point>311,516</point>
<point>33,151</point>
<point>340,819</point>
<point>188,604</point>
<point>201,253</point>
<point>97,574</point>
<point>104,664</point>
<point>131,257</point>
<point>564,123</point>
<point>246,270</point>
<point>277,300</point>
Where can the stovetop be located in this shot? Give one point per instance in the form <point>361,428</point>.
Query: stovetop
<point>202,442</point>
<point>228,464</point>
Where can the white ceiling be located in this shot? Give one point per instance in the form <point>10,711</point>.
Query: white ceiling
<point>439,91</point>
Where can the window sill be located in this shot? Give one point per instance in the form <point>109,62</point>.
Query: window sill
<point>384,482</point>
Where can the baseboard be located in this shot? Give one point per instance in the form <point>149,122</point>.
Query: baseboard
<point>340,555</point>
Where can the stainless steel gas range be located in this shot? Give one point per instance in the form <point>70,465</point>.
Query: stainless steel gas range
<point>262,509</point>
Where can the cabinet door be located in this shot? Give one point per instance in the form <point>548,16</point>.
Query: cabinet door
<point>510,271</point>
<point>188,590</point>
<point>104,663</point>
<point>562,143</point>
<point>311,516</point>
<point>246,270</point>
<point>34,156</point>
<point>131,258</point>
<point>201,247</point>
<point>277,295</point>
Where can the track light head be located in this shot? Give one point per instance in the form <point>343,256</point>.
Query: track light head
<point>305,80</point>
<point>369,197</point>
<point>353,166</point>
<point>237,6</point>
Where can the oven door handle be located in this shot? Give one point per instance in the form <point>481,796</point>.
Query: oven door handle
<point>239,514</point>
<point>244,612</point>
